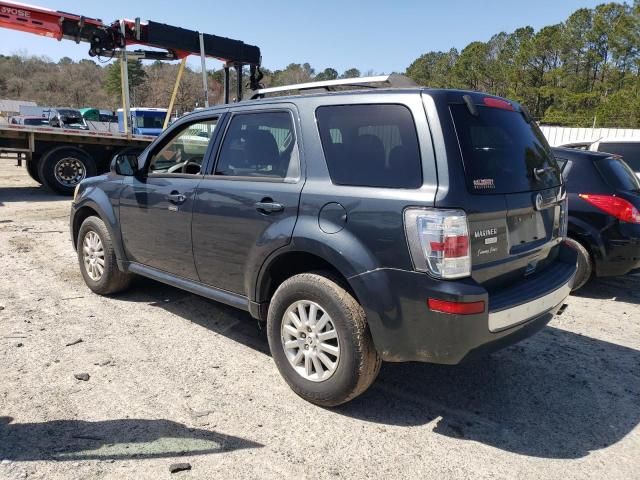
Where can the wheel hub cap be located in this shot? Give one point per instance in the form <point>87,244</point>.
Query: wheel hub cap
<point>310,341</point>
<point>69,171</point>
<point>93,255</point>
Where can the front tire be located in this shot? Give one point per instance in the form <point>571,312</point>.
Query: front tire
<point>320,340</point>
<point>585,264</point>
<point>97,259</point>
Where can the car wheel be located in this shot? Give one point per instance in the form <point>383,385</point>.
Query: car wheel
<point>585,264</point>
<point>63,168</point>
<point>98,260</point>
<point>320,340</point>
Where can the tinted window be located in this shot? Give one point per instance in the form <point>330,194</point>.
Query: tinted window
<point>184,152</point>
<point>630,152</point>
<point>35,121</point>
<point>370,145</point>
<point>618,174</point>
<point>149,119</point>
<point>259,145</point>
<point>502,153</point>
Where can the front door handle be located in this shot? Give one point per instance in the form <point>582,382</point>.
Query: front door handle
<point>268,206</point>
<point>175,197</point>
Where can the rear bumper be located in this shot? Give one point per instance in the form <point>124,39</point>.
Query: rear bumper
<point>620,257</point>
<point>404,329</point>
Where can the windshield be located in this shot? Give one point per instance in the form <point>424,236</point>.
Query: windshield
<point>149,119</point>
<point>502,153</point>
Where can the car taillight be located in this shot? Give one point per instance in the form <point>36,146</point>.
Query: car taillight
<point>439,242</point>
<point>564,218</point>
<point>614,206</point>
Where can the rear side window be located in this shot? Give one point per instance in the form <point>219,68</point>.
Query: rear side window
<point>502,153</point>
<point>630,152</point>
<point>370,145</point>
<point>618,174</point>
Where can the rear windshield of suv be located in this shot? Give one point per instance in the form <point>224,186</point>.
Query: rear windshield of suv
<point>370,145</point>
<point>502,153</point>
<point>629,151</point>
<point>618,174</point>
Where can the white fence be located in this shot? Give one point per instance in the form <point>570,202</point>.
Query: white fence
<point>562,135</point>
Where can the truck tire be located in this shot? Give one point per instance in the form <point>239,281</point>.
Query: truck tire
<point>32,170</point>
<point>62,168</point>
<point>320,340</point>
<point>97,259</point>
<point>585,264</point>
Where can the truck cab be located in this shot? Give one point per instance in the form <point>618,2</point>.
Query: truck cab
<point>144,121</point>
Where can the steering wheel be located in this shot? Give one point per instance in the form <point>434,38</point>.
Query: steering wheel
<point>189,166</point>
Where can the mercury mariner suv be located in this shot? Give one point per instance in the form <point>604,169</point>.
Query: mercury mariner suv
<point>400,224</point>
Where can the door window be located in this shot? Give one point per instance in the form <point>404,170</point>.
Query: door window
<point>259,145</point>
<point>185,151</point>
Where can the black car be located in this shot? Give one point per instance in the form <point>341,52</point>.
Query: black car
<point>397,225</point>
<point>67,118</point>
<point>604,212</point>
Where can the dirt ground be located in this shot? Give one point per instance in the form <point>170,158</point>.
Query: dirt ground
<point>177,378</point>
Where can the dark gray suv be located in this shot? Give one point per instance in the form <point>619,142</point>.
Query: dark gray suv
<point>396,224</point>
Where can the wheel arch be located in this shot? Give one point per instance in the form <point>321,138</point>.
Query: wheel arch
<point>89,208</point>
<point>285,263</point>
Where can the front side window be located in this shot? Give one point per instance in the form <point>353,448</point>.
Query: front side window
<point>370,145</point>
<point>185,151</point>
<point>259,145</point>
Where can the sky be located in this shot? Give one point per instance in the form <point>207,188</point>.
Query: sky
<point>382,36</point>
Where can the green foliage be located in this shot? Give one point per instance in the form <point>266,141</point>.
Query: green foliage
<point>582,71</point>
<point>351,73</point>
<point>137,78</point>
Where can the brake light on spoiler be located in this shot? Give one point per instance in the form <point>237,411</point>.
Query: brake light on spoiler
<point>614,206</point>
<point>497,103</point>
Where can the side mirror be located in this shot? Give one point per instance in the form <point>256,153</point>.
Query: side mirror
<point>125,163</point>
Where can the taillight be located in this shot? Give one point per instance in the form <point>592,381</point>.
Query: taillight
<point>439,242</point>
<point>614,206</point>
<point>564,218</point>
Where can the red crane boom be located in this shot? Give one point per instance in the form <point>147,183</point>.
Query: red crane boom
<point>108,39</point>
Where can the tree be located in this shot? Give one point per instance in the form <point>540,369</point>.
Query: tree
<point>327,74</point>
<point>137,78</point>
<point>351,73</point>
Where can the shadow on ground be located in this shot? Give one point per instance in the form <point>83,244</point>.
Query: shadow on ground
<point>26,194</point>
<point>110,439</point>
<point>621,289</point>
<point>558,394</point>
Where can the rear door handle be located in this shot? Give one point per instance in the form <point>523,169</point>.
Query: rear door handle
<point>175,197</point>
<point>268,206</point>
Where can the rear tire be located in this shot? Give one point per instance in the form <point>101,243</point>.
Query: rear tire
<point>585,264</point>
<point>336,361</point>
<point>97,259</point>
<point>62,168</point>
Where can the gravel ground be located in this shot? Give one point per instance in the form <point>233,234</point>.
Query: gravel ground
<point>177,378</point>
